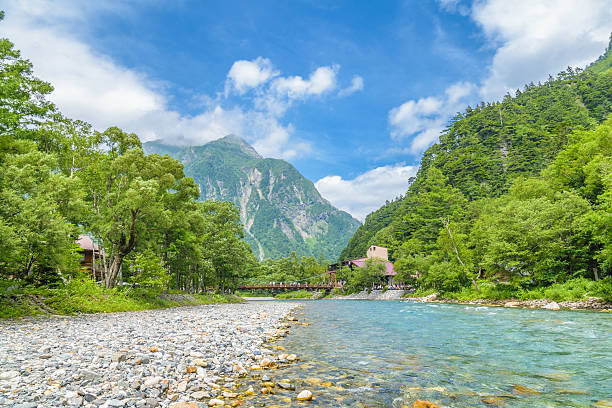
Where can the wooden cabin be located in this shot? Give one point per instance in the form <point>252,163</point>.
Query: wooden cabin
<point>90,256</point>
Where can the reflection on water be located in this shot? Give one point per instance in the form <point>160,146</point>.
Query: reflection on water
<point>388,354</point>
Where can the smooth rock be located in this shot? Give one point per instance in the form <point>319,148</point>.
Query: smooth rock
<point>8,375</point>
<point>183,404</point>
<point>118,357</point>
<point>424,404</point>
<point>182,386</point>
<point>552,306</point>
<point>304,396</point>
<point>200,395</point>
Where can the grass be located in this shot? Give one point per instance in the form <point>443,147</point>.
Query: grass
<point>248,293</point>
<point>572,290</point>
<point>296,294</point>
<point>85,296</point>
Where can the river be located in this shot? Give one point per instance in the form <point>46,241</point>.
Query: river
<point>389,354</point>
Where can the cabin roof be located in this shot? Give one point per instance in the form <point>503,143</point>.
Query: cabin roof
<point>86,243</point>
<point>359,262</point>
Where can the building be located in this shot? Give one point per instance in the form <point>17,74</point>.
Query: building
<point>90,256</point>
<point>377,252</point>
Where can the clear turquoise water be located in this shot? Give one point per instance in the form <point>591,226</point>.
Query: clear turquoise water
<point>384,354</point>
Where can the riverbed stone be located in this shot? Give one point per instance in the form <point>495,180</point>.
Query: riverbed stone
<point>424,404</point>
<point>106,361</point>
<point>305,395</point>
<point>183,404</point>
<point>552,306</point>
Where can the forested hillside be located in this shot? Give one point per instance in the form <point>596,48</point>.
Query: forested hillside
<point>282,212</point>
<point>59,178</point>
<point>516,190</point>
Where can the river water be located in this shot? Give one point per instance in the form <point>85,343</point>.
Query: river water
<point>391,353</point>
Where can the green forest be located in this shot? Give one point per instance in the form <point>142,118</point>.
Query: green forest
<point>517,194</point>
<point>59,178</point>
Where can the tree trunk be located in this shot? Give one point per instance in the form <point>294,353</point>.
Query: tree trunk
<point>125,246</point>
<point>446,225</point>
<point>110,279</point>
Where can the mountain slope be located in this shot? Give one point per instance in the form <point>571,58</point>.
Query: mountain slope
<point>485,148</point>
<point>280,209</point>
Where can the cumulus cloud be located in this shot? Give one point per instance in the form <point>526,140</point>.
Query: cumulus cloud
<point>356,85</point>
<point>87,85</point>
<point>368,191</point>
<point>323,79</point>
<point>536,38</point>
<point>422,120</point>
<point>282,92</point>
<point>245,75</point>
<point>532,39</point>
<point>95,88</point>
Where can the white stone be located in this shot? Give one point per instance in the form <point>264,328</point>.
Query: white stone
<point>8,375</point>
<point>552,306</point>
<point>152,381</point>
<point>304,396</point>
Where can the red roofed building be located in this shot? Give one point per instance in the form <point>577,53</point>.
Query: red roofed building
<point>377,252</point>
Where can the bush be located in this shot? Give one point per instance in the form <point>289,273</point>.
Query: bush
<point>298,294</point>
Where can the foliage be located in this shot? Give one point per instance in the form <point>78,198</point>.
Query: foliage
<point>296,294</point>
<point>572,290</point>
<point>516,192</point>
<point>291,269</point>
<point>370,274</point>
<point>59,178</point>
<point>82,295</point>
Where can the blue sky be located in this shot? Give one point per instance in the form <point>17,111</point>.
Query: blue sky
<point>350,92</point>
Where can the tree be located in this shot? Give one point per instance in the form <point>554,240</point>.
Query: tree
<point>130,194</point>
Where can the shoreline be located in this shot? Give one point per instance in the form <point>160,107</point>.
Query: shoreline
<point>176,357</point>
<point>589,304</point>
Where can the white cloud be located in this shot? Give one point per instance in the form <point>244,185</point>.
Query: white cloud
<point>532,40</point>
<point>282,92</point>
<point>322,80</point>
<point>538,38</point>
<point>93,87</point>
<point>356,85</point>
<point>424,119</point>
<point>245,75</point>
<point>87,85</point>
<point>368,191</point>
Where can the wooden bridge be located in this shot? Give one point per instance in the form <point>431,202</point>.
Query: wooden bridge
<point>288,286</point>
<point>303,285</point>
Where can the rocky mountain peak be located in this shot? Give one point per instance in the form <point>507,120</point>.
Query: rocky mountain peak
<point>241,143</point>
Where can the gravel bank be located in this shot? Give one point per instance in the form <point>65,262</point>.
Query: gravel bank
<point>156,358</point>
<point>591,303</point>
<point>375,295</point>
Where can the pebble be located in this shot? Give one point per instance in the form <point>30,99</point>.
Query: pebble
<point>156,358</point>
<point>304,396</point>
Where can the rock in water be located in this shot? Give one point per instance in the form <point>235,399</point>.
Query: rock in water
<point>304,396</point>
<point>424,404</point>
<point>552,306</point>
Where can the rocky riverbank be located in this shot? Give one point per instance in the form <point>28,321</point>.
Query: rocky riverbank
<point>374,295</point>
<point>591,303</point>
<point>179,358</point>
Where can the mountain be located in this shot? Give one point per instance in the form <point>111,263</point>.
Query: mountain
<point>280,209</point>
<point>485,148</point>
